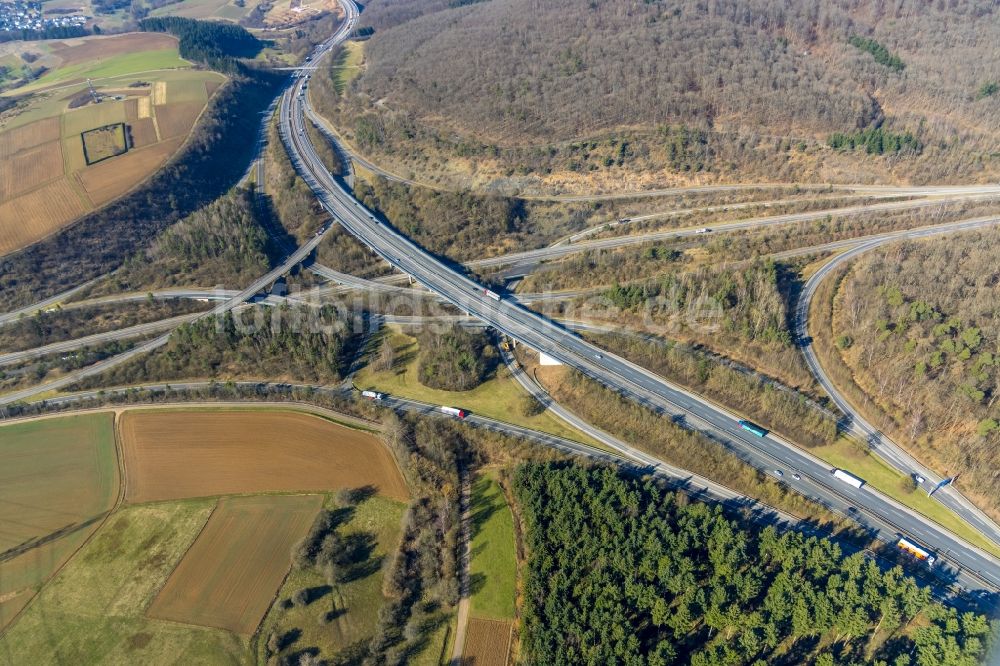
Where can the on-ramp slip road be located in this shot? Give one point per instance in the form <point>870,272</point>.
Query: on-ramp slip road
<point>882,515</point>
<point>880,444</point>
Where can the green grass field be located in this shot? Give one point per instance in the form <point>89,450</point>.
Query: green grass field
<point>354,605</point>
<point>348,65</point>
<point>93,611</point>
<point>846,455</point>
<point>493,568</point>
<point>498,397</point>
<point>119,65</point>
<point>58,479</point>
<point>206,9</point>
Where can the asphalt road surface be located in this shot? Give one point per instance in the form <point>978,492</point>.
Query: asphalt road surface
<point>882,515</point>
<point>880,444</point>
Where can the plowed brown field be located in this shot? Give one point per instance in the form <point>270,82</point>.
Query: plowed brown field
<point>231,573</point>
<point>114,177</point>
<point>143,132</point>
<point>73,52</point>
<point>177,119</point>
<point>28,136</point>
<point>30,168</point>
<point>173,454</point>
<point>487,642</point>
<point>35,215</point>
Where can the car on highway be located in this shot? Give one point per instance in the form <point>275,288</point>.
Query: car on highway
<point>598,356</point>
<point>919,479</point>
<point>797,477</point>
<point>778,472</point>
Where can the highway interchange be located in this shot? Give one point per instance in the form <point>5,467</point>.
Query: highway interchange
<point>884,516</point>
<point>971,567</point>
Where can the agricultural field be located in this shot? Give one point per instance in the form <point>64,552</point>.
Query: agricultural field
<point>93,611</point>
<point>188,580</point>
<point>493,568</point>
<point>207,9</point>
<point>487,642</point>
<point>497,397</point>
<point>52,170</point>
<point>345,613</point>
<point>58,481</point>
<point>228,578</point>
<point>174,454</point>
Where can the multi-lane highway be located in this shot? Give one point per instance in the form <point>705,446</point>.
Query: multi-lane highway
<point>880,444</point>
<point>884,516</point>
<point>812,477</point>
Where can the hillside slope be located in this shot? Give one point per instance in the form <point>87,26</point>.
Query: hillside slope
<point>749,86</point>
<point>916,325</point>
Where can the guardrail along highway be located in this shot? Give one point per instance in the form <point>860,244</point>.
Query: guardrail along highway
<point>885,517</point>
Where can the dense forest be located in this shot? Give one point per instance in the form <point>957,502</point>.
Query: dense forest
<point>684,87</point>
<point>218,45</point>
<point>299,344</point>
<point>454,360</point>
<point>224,243</point>
<point>916,323</point>
<point>624,572</point>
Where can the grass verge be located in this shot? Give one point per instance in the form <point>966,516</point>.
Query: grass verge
<point>499,397</point>
<point>846,454</point>
<point>348,65</point>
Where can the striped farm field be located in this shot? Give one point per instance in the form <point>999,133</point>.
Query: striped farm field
<point>231,573</point>
<point>24,137</point>
<point>58,479</point>
<point>140,77</point>
<point>112,178</point>
<point>142,132</point>
<point>29,167</point>
<point>487,642</point>
<point>33,216</point>
<point>180,453</point>
<point>177,119</point>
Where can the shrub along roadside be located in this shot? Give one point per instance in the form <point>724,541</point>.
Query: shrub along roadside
<point>767,403</point>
